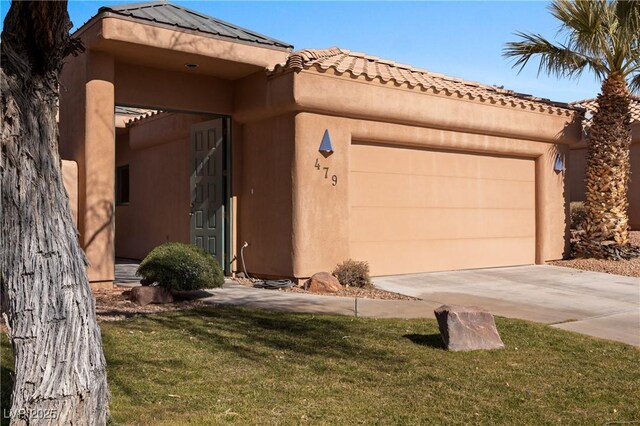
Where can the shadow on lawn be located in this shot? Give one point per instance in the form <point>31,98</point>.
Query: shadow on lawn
<point>431,340</point>
<point>256,336</point>
<point>6,381</point>
<point>253,337</point>
<point>252,333</point>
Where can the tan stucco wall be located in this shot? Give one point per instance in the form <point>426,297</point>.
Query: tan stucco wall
<point>157,151</point>
<point>384,114</point>
<point>87,136</point>
<point>576,176</point>
<point>151,87</point>
<point>123,221</point>
<point>70,181</point>
<point>634,187</point>
<point>321,210</point>
<point>265,204</point>
<point>388,102</point>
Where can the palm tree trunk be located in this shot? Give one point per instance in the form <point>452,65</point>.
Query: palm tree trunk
<point>608,172</point>
<point>60,370</point>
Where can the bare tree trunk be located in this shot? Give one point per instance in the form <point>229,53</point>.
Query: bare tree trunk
<point>608,171</point>
<point>60,371</point>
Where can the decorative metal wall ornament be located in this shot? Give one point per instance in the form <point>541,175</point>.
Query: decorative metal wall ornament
<point>558,165</point>
<point>326,149</point>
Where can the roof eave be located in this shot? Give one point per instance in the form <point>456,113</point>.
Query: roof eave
<point>177,28</point>
<point>104,12</point>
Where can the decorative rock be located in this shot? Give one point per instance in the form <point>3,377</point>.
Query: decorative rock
<point>150,294</point>
<point>467,328</point>
<point>323,282</point>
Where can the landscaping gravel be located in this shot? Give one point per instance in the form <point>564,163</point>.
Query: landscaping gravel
<point>114,305</point>
<point>628,268</point>
<point>364,293</point>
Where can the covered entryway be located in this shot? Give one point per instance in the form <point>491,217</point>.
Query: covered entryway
<point>172,60</point>
<point>417,210</point>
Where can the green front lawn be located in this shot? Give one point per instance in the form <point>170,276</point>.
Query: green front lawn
<point>229,365</point>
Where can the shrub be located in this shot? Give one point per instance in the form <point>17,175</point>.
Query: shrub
<point>177,266</point>
<point>577,214</point>
<point>353,273</point>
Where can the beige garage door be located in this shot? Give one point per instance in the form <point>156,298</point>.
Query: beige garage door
<point>416,210</point>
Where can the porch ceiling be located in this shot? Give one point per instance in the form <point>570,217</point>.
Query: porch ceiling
<point>173,60</point>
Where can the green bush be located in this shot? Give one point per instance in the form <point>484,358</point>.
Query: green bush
<point>177,266</point>
<point>353,273</point>
<point>578,214</point>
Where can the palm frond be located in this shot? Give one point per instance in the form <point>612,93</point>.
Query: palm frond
<point>625,34</point>
<point>558,60</point>
<point>600,35</point>
<point>628,14</point>
<point>634,83</point>
<point>584,22</point>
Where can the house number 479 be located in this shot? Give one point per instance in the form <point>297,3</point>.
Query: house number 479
<point>334,178</point>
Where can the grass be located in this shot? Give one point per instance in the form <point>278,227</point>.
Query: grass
<point>239,366</point>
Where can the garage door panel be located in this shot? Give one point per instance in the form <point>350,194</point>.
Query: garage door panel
<point>443,255</point>
<point>410,224</point>
<point>385,159</point>
<point>416,210</point>
<point>404,190</point>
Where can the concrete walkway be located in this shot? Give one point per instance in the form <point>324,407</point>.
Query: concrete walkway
<point>275,300</point>
<point>125,271</point>
<point>592,303</point>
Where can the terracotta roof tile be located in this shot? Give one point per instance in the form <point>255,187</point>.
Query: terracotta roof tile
<point>359,64</point>
<point>148,114</point>
<point>133,112</point>
<point>591,105</point>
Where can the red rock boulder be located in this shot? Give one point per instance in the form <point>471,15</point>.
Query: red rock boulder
<point>323,282</point>
<point>150,294</point>
<point>467,328</point>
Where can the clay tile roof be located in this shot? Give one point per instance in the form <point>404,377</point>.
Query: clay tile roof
<point>591,106</point>
<point>135,119</point>
<point>343,61</point>
<point>133,112</point>
<point>165,13</point>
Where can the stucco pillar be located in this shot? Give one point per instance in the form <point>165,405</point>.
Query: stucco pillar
<point>552,206</point>
<point>97,210</point>
<point>320,203</point>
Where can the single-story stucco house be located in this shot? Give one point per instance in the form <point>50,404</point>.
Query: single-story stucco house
<point>310,157</point>
<point>578,159</point>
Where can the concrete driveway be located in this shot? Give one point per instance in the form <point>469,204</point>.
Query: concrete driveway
<point>592,303</point>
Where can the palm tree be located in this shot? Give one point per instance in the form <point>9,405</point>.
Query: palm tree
<point>602,37</point>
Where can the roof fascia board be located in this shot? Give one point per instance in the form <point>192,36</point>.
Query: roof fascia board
<point>89,32</point>
<point>175,28</point>
<point>324,61</point>
<point>130,31</point>
<point>405,105</point>
<point>419,108</point>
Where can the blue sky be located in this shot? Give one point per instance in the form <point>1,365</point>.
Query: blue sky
<point>461,39</point>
